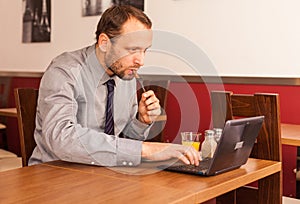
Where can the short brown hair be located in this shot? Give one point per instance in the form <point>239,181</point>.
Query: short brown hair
<point>113,18</point>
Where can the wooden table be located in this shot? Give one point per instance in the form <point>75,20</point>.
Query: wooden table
<point>63,182</point>
<point>290,134</point>
<point>10,112</point>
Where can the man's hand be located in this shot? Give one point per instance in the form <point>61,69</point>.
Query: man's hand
<point>163,151</point>
<point>149,107</point>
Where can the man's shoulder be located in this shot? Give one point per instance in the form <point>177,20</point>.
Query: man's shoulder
<point>75,56</point>
<point>72,59</point>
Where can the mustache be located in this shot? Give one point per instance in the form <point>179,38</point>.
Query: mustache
<point>135,66</point>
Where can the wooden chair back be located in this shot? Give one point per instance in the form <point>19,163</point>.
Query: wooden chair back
<point>160,88</point>
<point>26,103</point>
<point>225,106</point>
<point>4,96</point>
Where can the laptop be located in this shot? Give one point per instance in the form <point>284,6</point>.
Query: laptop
<point>233,149</point>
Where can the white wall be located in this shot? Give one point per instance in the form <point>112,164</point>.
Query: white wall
<point>241,37</point>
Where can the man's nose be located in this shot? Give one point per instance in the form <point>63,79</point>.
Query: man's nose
<point>139,58</point>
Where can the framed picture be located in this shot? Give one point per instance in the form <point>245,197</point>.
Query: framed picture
<point>97,7</point>
<point>36,21</point>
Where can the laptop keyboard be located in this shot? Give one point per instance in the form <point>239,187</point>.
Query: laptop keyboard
<point>202,168</point>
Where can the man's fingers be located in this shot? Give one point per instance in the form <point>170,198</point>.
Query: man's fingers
<point>191,154</point>
<point>183,158</point>
<point>147,94</point>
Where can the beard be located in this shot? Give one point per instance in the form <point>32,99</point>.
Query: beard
<point>119,70</point>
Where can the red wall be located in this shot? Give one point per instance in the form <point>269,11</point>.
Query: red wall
<point>289,99</point>
<point>188,108</point>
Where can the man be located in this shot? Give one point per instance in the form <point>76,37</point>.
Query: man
<point>73,100</point>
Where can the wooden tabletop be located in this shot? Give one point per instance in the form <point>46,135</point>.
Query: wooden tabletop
<point>290,134</point>
<point>10,112</point>
<point>63,182</point>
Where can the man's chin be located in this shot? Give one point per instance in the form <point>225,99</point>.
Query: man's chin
<point>127,77</point>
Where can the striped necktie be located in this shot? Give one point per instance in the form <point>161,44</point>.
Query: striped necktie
<point>109,118</point>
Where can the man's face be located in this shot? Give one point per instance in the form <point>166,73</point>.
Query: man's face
<point>125,53</point>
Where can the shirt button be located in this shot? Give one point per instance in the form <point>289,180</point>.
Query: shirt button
<point>124,163</point>
<point>92,163</point>
<point>130,163</point>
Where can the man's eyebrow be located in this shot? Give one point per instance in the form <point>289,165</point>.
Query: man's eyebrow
<point>138,47</point>
<point>148,47</point>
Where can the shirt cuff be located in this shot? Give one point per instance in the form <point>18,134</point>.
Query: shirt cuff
<point>129,152</point>
<point>140,127</point>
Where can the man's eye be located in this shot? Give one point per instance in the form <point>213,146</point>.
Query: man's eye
<point>133,50</point>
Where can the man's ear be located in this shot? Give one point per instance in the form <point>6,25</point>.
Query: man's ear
<point>103,42</point>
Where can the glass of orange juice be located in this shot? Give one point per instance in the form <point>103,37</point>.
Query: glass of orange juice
<point>191,139</point>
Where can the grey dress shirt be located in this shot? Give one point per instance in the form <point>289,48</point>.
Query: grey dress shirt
<point>70,118</point>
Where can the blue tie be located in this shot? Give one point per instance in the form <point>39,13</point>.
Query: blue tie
<point>109,118</point>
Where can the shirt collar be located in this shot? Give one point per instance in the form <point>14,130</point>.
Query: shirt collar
<point>97,70</point>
